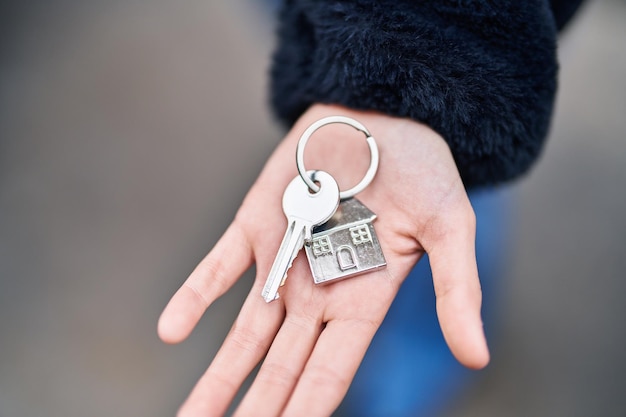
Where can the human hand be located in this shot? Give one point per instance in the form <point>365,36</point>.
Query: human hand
<point>313,338</point>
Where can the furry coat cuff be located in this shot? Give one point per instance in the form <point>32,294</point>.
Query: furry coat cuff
<point>480,73</point>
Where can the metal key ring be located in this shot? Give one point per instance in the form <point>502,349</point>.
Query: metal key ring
<point>369,174</point>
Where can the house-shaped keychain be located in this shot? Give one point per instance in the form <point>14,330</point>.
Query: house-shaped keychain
<point>346,245</point>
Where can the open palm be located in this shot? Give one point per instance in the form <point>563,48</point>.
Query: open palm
<point>313,338</point>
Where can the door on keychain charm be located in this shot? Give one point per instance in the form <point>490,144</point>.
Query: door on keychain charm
<point>346,245</point>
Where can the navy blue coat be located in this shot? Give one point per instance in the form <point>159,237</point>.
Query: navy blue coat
<point>482,73</point>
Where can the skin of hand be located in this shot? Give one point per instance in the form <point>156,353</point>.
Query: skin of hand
<point>313,338</point>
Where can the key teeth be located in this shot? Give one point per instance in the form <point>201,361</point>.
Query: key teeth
<point>268,300</point>
<point>286,273</point>
<point>281,284</point>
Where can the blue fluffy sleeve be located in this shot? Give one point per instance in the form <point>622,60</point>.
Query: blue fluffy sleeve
<point>480,73</point>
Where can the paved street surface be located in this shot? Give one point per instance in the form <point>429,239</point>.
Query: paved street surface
<point>130,132</point>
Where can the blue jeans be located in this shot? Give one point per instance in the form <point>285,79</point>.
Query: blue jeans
<point>408,369</point>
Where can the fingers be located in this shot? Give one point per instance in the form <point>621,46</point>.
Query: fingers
<point>230,257</point>
<point>282,367</point>
<point>331,367</point>
<point>457,286</point>
<point>245,345</point>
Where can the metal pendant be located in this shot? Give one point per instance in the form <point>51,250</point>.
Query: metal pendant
<point>346,245</point>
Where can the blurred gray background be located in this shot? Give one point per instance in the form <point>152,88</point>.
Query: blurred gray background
<point>130,132</point>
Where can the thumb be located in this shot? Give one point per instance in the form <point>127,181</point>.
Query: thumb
<point>457,287</point>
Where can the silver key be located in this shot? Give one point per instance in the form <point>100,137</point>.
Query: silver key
<point>304,210</point>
